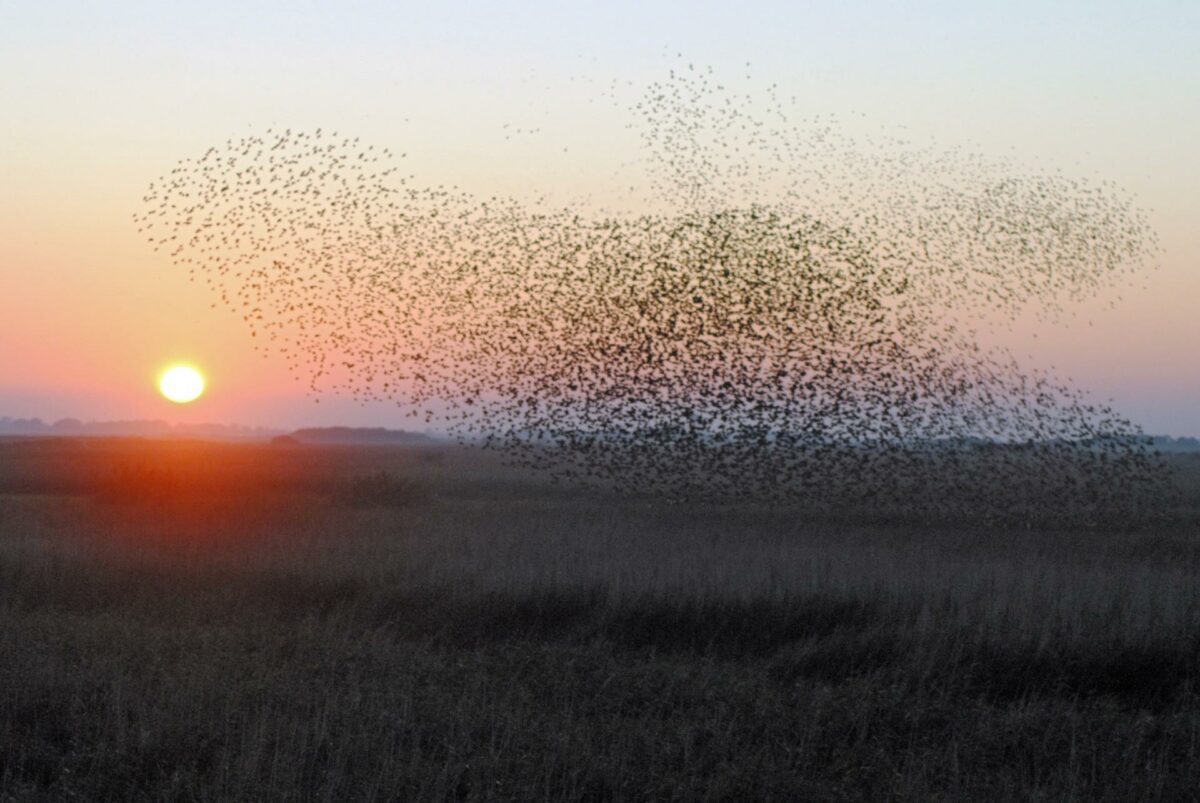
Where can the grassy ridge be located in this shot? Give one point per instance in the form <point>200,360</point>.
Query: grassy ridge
<point>491,638</point>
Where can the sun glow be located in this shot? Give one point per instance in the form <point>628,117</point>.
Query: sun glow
<point>181,383</point>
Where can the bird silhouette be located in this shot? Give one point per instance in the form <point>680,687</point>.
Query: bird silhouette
<point>782,312</point>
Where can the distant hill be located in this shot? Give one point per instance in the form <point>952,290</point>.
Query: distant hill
<point>359,436</point>
<point>139,428</point>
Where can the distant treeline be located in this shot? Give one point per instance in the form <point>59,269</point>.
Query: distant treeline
<point>136,428</point>
<point>1165,443</point>
<point>73,427</point>
<point>349,435</point>
<point>355,435</point>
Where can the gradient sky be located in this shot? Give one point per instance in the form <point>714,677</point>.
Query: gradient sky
<point>98,99</point>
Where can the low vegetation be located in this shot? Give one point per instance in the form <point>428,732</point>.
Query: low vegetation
<point>187,621</point>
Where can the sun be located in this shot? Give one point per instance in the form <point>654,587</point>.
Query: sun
<point>181,383</point>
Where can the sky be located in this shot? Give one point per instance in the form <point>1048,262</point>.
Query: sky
<point>98,100</point>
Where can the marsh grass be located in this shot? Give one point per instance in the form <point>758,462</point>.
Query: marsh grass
<point>492,638</point>
<point>380,489</point>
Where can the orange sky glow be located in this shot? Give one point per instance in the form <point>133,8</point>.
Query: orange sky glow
<point>95,108</point>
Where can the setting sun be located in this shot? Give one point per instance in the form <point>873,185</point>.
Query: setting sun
<point>181,383</point>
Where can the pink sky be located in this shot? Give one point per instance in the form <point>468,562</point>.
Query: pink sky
<point>95,107</point>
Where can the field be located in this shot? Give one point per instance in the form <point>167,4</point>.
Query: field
<point>201,621</point>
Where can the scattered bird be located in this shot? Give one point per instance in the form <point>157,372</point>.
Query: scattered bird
<point>784,312</point>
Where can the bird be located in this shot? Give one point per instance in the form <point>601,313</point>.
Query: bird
<point>780,311</point>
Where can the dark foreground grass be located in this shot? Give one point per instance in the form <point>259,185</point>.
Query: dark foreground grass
<point>470,643</point>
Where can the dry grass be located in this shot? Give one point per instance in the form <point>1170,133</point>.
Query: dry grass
<point>220,622</point>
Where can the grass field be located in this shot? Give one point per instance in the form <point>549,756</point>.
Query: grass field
<point>201,621</point>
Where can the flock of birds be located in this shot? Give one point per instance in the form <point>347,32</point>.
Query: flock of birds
<point>783,312</point>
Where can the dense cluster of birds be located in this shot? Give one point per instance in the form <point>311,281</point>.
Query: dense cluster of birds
<point>783,311</point>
